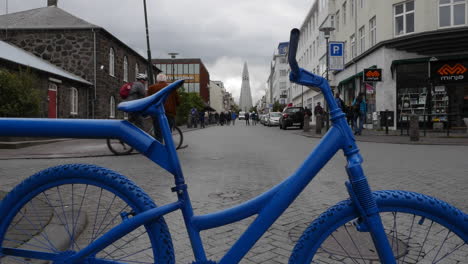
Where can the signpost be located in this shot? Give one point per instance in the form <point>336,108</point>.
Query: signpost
<point>336,55</point>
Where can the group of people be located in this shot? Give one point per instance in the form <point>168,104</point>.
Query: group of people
<point>355,112</point>
<point>251,116</point>
<point>203,118</point>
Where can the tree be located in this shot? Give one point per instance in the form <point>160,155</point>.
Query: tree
<point>235,108</point>
<point>19,97</point>
<point>187,102</point>
<point>277,107</point>
<point>253,109</point>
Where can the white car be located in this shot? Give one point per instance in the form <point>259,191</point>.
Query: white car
<point>241,115</point>
<point>273,119</point>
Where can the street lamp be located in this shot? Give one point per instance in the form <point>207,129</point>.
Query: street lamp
<point>173,56</point>
<point>150,64</point>
<point>327,31</point>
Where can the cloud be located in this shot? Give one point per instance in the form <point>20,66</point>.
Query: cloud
<point>223,33</point>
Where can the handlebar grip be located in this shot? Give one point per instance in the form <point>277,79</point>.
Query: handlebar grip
<point>293,43</point>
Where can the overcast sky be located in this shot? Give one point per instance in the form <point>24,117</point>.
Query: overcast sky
<point>223,33</point>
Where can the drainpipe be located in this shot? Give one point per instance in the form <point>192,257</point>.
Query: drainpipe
<point>93,104</point>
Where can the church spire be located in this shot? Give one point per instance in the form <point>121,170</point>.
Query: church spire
<point>245,100</point>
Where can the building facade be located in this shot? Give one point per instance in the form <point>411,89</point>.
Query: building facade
<point>217,92</point>
<point>419,45</point>
<point>279,79</point>
<point>78,47</point>
<point>193,71</point>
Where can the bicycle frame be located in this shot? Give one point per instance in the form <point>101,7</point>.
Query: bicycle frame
<point>267,206</point>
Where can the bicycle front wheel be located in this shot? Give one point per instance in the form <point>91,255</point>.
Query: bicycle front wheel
<point>118,147</point>
<point>177,137</point>
<point>61,210</point>
<point>420,229</point>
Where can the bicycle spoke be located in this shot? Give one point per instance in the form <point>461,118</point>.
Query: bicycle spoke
<point>409,236</point>
<point>354,243</point>
<point>425,239</point>
<point>438,251</point>
<point>456,248</point>
<point>95,218</point>
<point>105,216</point>
<point>344,250</point>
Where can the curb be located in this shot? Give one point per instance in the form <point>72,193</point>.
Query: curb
<point>29,143</point>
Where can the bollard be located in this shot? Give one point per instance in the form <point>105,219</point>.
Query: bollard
<point>306,123</point>
<point>318,124</point>
<point>414,128</point>
<point>386,121</point>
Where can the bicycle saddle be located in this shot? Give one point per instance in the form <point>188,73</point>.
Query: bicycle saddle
<point>142,104</point>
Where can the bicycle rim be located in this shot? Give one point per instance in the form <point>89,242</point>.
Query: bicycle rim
<point>177,137</point>
<point>118,147</point>
<point>63,216</point>
<point>416,234</point>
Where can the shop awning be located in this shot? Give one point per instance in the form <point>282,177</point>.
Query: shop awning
<point>359,74</point>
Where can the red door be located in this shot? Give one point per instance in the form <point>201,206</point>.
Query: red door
<point>52,97</point>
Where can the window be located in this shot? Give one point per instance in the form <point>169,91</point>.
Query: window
<point>362,39</point>
<point>345,53</point>
<point>452,13</point>
<point>197,68</point>
<point>337,24</point>
<point>112,107</point>
<point>191,69</point>
<point>344,13</point>
<point>137,70</point>
<point>361,3</point>
<point>111,62</point>
<point>125,77</point>
<point>352,40</point>
<point>404,18</point>
<point>313,48</point>
<point>74,101</point>
<point>283,73</point>
<point>372,32</point>
<point>332,21</point>
<point>352,7</point>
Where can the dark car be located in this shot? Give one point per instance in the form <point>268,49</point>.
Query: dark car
<point>292,116</point>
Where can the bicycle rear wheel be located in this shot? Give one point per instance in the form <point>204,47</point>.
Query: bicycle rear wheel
<point>421,229</point>
<point>61,210</point>
<point>118,147</point>
<point>177,137</point>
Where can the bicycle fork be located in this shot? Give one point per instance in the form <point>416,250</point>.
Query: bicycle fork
<point>361,195</point>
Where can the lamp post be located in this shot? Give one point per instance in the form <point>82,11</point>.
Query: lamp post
<point>327,31</point>
<point>150,64</point>
<point>173,56</point>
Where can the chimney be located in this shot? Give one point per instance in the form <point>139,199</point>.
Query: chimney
<point>52,2</point>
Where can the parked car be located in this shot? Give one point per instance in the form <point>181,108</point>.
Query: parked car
<point>241,115</point>
<point>292,116</point>
<point>273,118</point>
<point>263,119</point>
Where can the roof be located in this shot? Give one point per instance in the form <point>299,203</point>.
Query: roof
<point>50,17</point>
<point>16,55</point>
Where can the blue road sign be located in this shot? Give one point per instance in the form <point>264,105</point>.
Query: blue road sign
<point>336,49</point>
<point>336,55</point>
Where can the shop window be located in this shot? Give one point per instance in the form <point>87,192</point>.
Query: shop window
<point>452,13</point>
<point>73,101</point>
<point>111,62</point>
<point>404,18</point>
<point>125,68</point>
<point>112,107</point>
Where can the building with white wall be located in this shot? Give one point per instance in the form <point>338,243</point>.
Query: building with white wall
<point>420,45</point>
<point>217,95</point>
<point>278,81</point>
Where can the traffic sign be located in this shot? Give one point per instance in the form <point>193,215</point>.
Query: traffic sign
<point>336,55</point>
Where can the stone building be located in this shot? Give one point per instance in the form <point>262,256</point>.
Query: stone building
<point>64,94</point>
<point>79,47</point>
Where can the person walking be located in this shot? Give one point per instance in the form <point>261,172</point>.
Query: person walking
<point>247,116</point>
<point>360,108</point>
<point>339,102</point>
<point>233,117</point>
<point>221,118</point>
<point>319,113</point>
<point>201,114</point>
<point>194,116</point>
<point>170,106</point>
<point>228,118</point>
<point>137,91</point>
<point>216,116</point>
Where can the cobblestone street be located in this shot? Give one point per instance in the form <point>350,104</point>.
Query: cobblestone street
<point>224,166</point>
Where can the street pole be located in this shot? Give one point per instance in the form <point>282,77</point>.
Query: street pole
<point>150,64</point>
<point>173,55</point>
<point>302,95</point>
<point>327,31</point>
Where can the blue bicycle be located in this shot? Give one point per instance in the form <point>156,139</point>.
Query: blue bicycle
<point>87,214</point>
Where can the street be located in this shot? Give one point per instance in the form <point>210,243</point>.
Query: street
<point>225,165</point>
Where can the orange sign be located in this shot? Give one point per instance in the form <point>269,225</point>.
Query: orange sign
<point>448,70</point>
<point>372,75</point>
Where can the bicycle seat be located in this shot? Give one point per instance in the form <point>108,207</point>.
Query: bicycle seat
<point>142,104</point>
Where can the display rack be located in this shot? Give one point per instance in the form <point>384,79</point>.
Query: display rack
<point>413,102</point>
<point>440,102</point>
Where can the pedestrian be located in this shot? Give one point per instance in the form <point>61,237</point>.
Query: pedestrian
<point>360,109</point>
<point>201,114</point>
<point>254,118</point>
<point>318,112</point>
<point>194,116</point>
<point>247,116</point>
<point>137,91</point>
<point>221,118</point>
<point>170,106</point>
<point>228,118</point>
<point>339,102</point>
<point>216,116</point>
<point>233,117</point>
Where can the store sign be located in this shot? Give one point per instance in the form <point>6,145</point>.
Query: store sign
<point>449,72</point>
<point>372,75</point>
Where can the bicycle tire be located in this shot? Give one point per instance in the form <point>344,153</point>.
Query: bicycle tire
<point>118,147</point>
<point>178,137</point>
<point>329,238</point>
<point>42,210</point>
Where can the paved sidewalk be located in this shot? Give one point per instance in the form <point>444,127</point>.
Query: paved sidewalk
<point>394,137</point>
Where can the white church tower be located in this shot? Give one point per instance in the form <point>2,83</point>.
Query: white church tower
<point>245,101</point>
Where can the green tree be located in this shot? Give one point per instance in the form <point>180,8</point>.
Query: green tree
<point>187,101</point>
<point>253,109</point>
<point>19,95</point>
<point>235,108</point>
<point>277,107</point>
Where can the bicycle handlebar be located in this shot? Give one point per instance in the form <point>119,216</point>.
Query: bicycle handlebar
<point>293,43</point>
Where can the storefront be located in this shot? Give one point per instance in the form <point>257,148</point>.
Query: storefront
<point>436,90</point>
